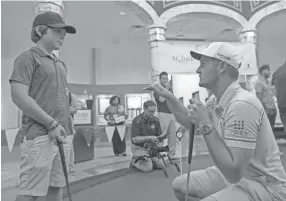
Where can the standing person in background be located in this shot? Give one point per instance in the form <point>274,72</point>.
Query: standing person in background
<point>279,81</point>
<point>165,116</point>
<point>73,111</point>
<point>265,93</point>
<point>115,108</point>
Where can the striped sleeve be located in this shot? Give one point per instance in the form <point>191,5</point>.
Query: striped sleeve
<point>241,125</point>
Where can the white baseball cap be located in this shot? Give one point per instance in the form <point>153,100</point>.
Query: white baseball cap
<point>222,51</point>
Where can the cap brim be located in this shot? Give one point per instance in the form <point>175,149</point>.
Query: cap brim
<point>196,55</point>
<point>69,29</point>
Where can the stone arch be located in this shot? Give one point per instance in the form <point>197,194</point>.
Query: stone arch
<point>148,9</point>
<point>202,8</point>
<point>141,9</point>
<point>257,17</point>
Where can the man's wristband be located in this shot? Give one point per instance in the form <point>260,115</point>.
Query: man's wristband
<point>51,123</point>
<point>53,127</point>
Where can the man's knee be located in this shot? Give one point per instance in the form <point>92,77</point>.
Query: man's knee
<point>158,164</point>
<point>144,166</point>
<point>178,184</point>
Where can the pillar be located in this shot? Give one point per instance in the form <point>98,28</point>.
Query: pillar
<point>54,6</point>
<point>249,36</point>
<point>156,34</point>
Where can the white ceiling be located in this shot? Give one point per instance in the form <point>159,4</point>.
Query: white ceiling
<point>202,26</point>
<point>103,19</point>
<point>273,25</point>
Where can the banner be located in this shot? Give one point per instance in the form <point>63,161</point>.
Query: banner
<point>11,135</point>
<point>175,58</point>
<point>109,132</point>
<point>121,131</point>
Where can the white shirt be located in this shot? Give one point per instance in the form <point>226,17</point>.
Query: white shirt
<point>241,121</point>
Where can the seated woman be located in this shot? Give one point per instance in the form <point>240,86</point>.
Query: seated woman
<point>116,110</point>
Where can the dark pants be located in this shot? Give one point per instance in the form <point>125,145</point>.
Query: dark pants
<point>272,118</point>
<point>282,112</point>
<point>119,146</point>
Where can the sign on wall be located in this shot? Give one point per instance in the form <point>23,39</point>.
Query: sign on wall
<point>82,117</point>
<point>175,58</point>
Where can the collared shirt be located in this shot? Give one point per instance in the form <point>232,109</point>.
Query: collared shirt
<point>142,126</point>
<point>279,81</point>
<point>162,106</point>
<point>264,86</point>
<point>241,122</point>
<point>46,78</point>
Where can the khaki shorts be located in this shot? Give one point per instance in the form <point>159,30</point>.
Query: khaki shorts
<point>41,165</point>
<point>211,185</point>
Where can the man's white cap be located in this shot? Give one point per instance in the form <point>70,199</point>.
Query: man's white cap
<point>222,51</point>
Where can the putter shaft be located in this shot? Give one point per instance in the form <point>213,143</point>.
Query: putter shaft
<point>62,155</point>
<point>190,154</point>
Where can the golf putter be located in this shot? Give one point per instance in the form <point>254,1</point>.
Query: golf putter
<point>190,154</point>
<point>62,155</point>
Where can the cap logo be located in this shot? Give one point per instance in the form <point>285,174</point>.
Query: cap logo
<point>223,57</point>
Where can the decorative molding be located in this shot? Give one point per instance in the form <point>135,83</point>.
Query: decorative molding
<point>202,8</point>
<point>256,5</point>
<point>248,36</point>
<point>148,9</point>
<point>259,15</point>
<point>234,4</point>
<point>157,33</point>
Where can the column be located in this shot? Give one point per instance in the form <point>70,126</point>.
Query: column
<point>156,34</point>
<point>250,36</point>
<point>54,6</point>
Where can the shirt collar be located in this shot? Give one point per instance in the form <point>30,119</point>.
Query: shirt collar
<point>228,93</point>
<point>264,79</point>
<point>42,53</point>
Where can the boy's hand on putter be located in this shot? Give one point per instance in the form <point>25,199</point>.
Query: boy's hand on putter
<point>58,134</point>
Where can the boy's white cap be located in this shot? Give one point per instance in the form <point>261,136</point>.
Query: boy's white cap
<point>222,51</point>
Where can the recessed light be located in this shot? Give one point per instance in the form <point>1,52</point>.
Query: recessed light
<point>122,13</point>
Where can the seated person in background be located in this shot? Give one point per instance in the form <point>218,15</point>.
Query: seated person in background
<point>145,129</point>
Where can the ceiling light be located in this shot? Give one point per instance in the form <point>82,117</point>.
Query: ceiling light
<point>122,13</point>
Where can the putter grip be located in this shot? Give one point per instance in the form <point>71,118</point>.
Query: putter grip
<point>191,143</point>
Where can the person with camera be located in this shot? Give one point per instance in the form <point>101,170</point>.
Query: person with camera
<point>146,134</point>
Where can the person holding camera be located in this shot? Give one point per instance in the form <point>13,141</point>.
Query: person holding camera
<point>145,132</point>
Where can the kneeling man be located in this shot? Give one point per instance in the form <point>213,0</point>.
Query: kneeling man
<point>145,129</point>
<point>237,133</point>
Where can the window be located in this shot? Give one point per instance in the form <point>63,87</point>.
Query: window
<point>103,103</point>
<point>134,104</point>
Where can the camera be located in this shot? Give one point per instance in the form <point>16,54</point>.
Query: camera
<point>154,150</point>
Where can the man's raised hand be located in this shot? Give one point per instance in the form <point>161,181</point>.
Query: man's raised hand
<point>159,89</point>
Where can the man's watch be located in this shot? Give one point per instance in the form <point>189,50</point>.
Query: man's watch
<point>206,128</point>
